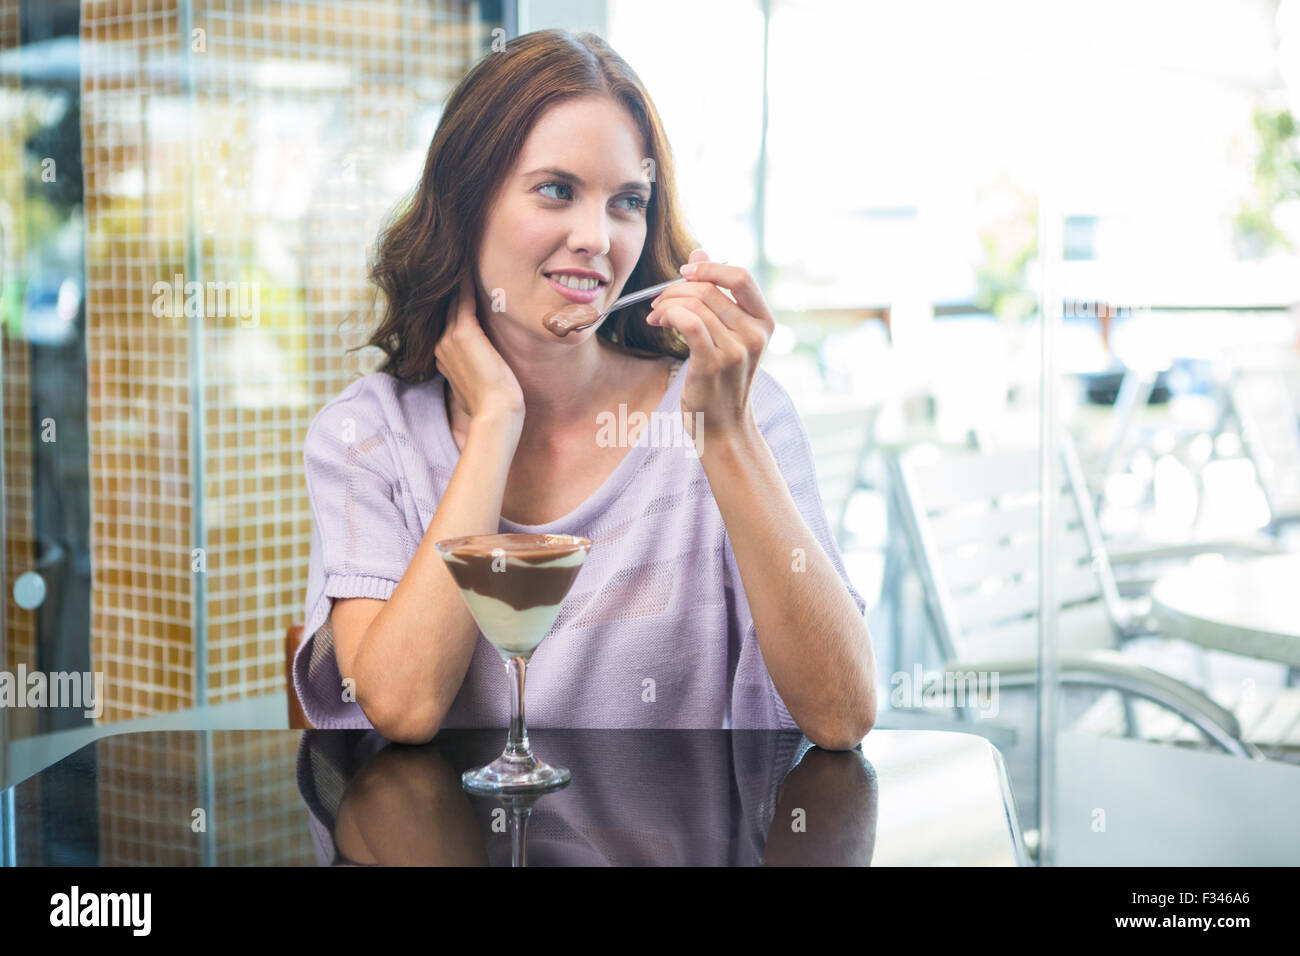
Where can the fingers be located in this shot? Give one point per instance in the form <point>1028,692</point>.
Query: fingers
<point>740,283</point>
<point>708,337</point>
<point>707,285</point>
<point>689,325</point>
<point>724,307</point>
<point>465,306</point>
<point>453,312</point>
<point>461,308</point>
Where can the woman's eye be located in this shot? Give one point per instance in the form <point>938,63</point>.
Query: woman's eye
<point>640,204</point>
<point>554,186</point>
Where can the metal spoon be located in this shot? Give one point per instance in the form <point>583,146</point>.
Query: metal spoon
<point>630,299</point>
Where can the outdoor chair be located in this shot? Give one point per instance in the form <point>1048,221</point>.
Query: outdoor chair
<point>971,520</point>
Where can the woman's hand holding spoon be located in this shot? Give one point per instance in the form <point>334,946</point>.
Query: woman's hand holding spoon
<point>577,317</point>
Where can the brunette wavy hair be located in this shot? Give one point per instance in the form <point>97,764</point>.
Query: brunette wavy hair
<point>431,239</point>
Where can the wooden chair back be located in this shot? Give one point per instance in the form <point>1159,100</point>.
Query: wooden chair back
<point>293,639</point>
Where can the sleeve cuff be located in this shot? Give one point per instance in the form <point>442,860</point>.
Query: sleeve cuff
<point>358,586</point>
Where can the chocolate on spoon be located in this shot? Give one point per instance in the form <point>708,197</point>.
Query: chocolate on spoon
<point>578,316</point>
<point>571,318</point>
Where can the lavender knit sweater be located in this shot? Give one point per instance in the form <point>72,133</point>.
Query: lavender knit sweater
<point>656,631</point>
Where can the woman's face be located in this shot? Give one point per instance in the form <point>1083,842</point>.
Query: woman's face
<point>574,202</point>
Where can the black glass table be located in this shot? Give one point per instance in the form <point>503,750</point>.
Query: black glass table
<point>638,797</point>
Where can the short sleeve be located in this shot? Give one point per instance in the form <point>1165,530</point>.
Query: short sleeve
<point>364,542</point>
<point>360,545</point>
<point>755,700</point>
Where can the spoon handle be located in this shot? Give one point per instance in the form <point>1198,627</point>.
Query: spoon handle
<point>650,293</point>
<point>635,297</point>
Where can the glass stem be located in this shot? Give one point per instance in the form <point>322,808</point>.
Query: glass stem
<point>517,743</point>
<point>519,836</point>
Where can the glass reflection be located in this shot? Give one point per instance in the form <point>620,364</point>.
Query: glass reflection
<point>638,798</point>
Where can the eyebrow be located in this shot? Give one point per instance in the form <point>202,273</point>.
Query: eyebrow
<point>636,184</point>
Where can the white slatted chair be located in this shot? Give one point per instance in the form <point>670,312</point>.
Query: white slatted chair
<point>1269,720</point>
<point>972,521</point>
<point>841,439</point>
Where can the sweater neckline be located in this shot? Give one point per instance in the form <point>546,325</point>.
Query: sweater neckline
<point>614,482</point>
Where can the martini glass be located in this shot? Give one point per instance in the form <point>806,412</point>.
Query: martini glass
<point>514,585</point>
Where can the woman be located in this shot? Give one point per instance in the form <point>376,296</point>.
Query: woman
<point>714,595</point>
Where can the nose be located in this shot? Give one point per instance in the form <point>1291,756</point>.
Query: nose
<point>589,230</point>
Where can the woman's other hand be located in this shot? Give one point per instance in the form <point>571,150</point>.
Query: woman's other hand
<point>482,383</point>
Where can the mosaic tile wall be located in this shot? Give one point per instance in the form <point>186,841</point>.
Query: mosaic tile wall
<point>15,378</point>
<point>141,622</point>
<point>253,148</point>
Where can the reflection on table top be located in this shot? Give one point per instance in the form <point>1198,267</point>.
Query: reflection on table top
<point>638,797</point>
<point>1246,606</point>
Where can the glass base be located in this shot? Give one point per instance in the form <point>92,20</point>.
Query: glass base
<point>515,775</point>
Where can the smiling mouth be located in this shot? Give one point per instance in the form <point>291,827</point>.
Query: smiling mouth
<point>581,296</point>
<point>575,283</point>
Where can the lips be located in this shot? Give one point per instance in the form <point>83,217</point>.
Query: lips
<point>583,296</point>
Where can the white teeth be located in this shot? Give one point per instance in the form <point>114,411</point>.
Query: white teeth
<point>575,283</point>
